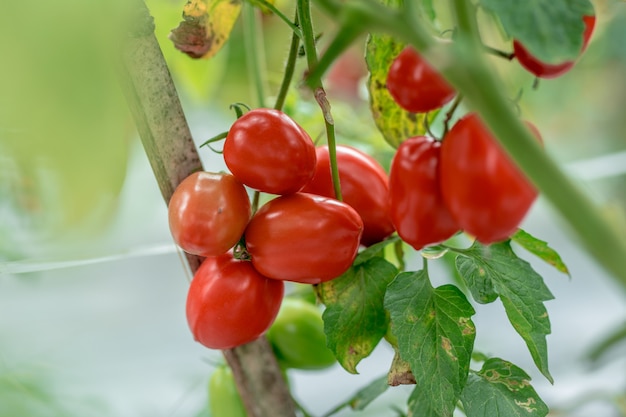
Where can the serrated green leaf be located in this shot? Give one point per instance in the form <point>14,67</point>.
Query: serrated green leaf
<point>540,249</point>
<point>550,29</point>
<point>495,271</point>
<point>394,123</point>
<point>435,336</point>
<point>355,319</point>
<point>501,389</point>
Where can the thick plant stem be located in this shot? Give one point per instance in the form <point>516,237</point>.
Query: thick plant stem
<point>464,67</point>
<point>164,132</point>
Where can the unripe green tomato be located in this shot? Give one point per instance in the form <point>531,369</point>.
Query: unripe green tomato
<point>224,399</point>
<point>297,336</point>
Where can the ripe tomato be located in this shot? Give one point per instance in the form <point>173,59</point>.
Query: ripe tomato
<point>543,70</point>
<point>483,189</point>
<point>224,399</point>
<point>229,303</point>
<point>208,213</point>
<point>304,238</point>
<point>417,207</point>
<point>364,187</point>
<point>268,151</point>
<point>297,336</point>
<point>415,85</point>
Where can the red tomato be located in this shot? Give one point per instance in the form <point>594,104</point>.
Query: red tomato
<point>417,207</point>
<point>304,238</point>
<point>364,187</point>
<point>543,70</point>
<point>208,213</point>
<point>268,151</point>
<point>415,85</point>
<point>229,303</point>
<point>483,189</point>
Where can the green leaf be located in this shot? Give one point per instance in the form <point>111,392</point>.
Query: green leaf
<point>374,250</point>
<point>600,349</point>
<point>394,123</point>
<point>354,318</point>
<point>435,336</point>
<point>369,393</point>
<point>540,249</point>
<point>501,389</point>
<point>550,29</point>
<point>495,271</point>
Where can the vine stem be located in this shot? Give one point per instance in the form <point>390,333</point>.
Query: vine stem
<point>463,65</point>
<point>167,140</point>
<point>308,41</point>
<point>290,66</point>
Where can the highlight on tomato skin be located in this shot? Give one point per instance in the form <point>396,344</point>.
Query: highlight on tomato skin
<point>304,238</point>
<point>229,303</point>
<point>487,194</point>
<point>269,152</point>
<point>415,85</point>
<point>544,70</point>
<point>417,207</point>
<point>208,213</point>
<point>364,187</point>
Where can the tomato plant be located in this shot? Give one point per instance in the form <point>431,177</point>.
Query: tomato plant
<point>229,303</point>
<point>485,192</point>
<point>268,151</point>
<point>297,336</point>
<point>208,213</point>
<point>224,399</point>
<point>417,208</point>
<point>304,238</point>
<point>544,70</point>
<point>416,85</point>
<point>364,186</point>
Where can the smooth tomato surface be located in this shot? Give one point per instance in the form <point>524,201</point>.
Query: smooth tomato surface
<point>268,151</point>
<point>229,303</point>
<point>304,238</point>
<point>544,70</point>
<point>208,213</point>
<point>297,336</point>
<point>417,208</point>
<point>415,85</point>
<point>483,189</point>
<point>364,187</point>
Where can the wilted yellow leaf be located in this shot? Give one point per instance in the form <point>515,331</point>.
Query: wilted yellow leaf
<point>206,26</point>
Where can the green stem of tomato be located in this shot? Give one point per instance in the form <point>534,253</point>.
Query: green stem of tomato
<point>290,67</point>
<point>308,40</point>
<point>464,67</point>
<point>253,44</point>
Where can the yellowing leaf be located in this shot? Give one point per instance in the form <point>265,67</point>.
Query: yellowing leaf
<point>206,26</point>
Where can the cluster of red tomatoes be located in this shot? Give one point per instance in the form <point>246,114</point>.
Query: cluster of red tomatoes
<point>465,181</point>
<point>434,190</point>
<point>303,235</point>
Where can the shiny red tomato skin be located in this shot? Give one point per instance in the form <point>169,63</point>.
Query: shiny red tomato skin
<point>364,187</point>
<point>484,190</point>
<point>208,213</point>
<point>417,208</point>
<point>268,151</point>
<point>543,70</point>
<point>229,303</point>
<point>415,85</point>
<point>304,238</point>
